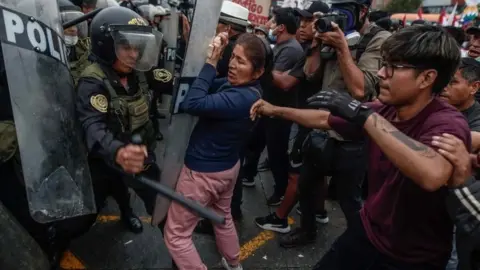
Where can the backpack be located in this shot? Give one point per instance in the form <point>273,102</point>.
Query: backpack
<point>361,46</point>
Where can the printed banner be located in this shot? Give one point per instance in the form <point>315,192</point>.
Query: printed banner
<point>259,10</point>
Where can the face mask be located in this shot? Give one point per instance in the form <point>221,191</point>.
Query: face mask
<point>271,36</point>
<point>71,40</point>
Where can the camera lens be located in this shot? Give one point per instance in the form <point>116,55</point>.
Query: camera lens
<point>323,25</point>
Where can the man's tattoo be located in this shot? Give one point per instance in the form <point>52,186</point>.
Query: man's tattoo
<point>387,127</point>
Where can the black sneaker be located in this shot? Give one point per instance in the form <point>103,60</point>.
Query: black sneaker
<point>248,182</point>
<point>264,166</point>
<point>273,223</point>
<point>320,217</point>
<point>133,223</point>
<point>296,238</point>
<point>296,158</point>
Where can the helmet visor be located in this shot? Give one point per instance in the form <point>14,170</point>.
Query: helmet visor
<point>137,49</point>
<point>106,3</point>
<point>81,29</point>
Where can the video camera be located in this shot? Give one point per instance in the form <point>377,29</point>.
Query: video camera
<point>323,23</point>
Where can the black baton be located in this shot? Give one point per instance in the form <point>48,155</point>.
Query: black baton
<point>81,19</point>
<point>165,191</point>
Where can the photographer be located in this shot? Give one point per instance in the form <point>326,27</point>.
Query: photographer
<point>347,59</point>
<point>298,76</point>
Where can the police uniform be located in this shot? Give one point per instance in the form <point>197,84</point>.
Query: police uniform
<point>78,58</point>
<point>77,53</point>
<point>111,113</point>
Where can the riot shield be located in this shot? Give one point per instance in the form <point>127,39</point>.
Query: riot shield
<point>54,162</point>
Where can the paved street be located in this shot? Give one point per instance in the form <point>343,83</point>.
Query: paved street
<point>110,246</point>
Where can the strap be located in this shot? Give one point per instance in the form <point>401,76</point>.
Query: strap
<point>93,71</point>
<point>363,43</point>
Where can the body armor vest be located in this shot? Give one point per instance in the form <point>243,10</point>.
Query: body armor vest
<point>127,115</point>
<point>78,65</point>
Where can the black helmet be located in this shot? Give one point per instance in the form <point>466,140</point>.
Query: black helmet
<point>68,12</point>
<point>116,30</point>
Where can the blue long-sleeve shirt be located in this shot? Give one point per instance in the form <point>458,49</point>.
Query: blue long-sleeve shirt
<point>224,121</point>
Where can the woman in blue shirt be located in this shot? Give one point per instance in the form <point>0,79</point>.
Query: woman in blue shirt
<point>212,157</point>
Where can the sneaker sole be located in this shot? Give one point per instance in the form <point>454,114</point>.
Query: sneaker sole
<point>225,265</point>
<point>248,184</point>
<point>269,227</point>
<point>317,219</point>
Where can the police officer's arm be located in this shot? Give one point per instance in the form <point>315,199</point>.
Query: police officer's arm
<point>361,78</point>
<point>92,113</point>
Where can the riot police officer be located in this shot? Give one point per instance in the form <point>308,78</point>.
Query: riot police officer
<point>76,38</point>
<point>113,105</point>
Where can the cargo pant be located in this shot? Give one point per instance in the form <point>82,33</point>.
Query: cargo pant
<point>213,190</point>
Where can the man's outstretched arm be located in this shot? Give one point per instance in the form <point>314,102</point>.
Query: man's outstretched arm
<point>308,118</point>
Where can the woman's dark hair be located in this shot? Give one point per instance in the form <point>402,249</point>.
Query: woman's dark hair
<point>254,50</point>
<point>425,47</point>
<point>258,51</point>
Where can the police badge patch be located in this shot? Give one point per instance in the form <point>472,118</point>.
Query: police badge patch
<point>162,75</point>
<point>100,103</point>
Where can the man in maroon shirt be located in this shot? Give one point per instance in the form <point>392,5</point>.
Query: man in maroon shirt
<point>403,223</point>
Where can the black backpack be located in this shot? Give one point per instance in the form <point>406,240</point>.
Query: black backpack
<point>361,46</point>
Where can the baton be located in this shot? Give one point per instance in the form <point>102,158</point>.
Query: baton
<point>165,191</point>
<point>81,18</point>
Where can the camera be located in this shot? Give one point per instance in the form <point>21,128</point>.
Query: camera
<point>324,22</point>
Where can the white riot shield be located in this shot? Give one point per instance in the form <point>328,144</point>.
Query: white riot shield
<point>54,161</point>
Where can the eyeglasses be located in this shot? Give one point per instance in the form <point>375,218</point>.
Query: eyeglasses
<point>390,68</point>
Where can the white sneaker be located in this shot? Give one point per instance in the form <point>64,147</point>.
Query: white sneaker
<point>229,267</point>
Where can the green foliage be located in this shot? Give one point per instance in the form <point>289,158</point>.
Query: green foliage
<point>403,6</point>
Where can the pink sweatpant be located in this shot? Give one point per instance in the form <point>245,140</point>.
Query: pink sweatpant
<point>214,190</point>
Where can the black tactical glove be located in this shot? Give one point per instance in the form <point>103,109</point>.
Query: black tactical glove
<point>342,105</point>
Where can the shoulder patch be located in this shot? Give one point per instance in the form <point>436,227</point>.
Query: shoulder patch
<point>99,102</point>
<point>162,75</point>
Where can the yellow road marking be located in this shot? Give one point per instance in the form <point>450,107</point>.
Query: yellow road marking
<point>247,249</point>
<point>70,262</point>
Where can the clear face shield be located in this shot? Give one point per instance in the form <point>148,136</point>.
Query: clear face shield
<point>106,3</point>
<point>79,30</point>
<point>137,47</point>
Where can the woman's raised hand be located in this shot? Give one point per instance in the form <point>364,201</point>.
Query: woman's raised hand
<point>217,47</point>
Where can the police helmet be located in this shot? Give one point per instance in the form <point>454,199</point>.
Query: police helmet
<point>118,33</point>
<point>69,12</point>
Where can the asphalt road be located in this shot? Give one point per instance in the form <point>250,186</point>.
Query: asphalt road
<point>109,245</point>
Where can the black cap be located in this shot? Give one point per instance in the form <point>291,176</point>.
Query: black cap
<point>311,8</point>
<point>469,62</point>
<point>473,30</point>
